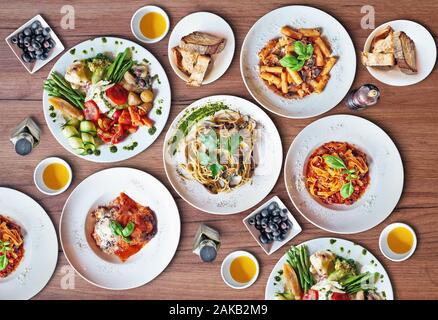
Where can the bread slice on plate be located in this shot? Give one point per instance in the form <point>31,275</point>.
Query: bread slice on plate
<point>405,53</point>
<point>185,60</point>
<point>202,42</point>
<point>199,70</point>
<point>378,59</point>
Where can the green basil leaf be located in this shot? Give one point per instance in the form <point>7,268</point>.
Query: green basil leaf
<point>347,190</point>
<point>335,162</point>
<point>289,61</point>
<point>309,50</point>
<point>298,66</point>
<point>116,228</point>
<point>127,231</point>
<point>204,159</point>
<point>215,168</point>
<point>299,48</point>
<point>3,262</point>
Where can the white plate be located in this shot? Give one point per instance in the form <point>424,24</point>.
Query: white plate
<point>162,91</point>
<point>341,76</point>
<point>265,176</point>
<point>344,248</point>
<point>425,50</point>
<point>385,168</point>
<point>80,249</point>
<point>209,23</point>
<point>40,246</point>
<point>34,67</point>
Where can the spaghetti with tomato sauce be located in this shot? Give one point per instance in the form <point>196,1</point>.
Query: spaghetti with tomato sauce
<point>11,245</point>
<point>324,181</point>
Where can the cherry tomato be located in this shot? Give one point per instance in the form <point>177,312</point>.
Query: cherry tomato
<point>118,135</point>
<point>91,111</point>
<point>125,118</point>
<point>117,94</point>
<point>340,296</point>
<point>116,115</point>
<point>311,295</point>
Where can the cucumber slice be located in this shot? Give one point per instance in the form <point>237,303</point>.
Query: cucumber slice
<point>70,131</point>
<point>80,151</point>
<point>87,138</point>
<point>75,143</point>
<point>87,126</point>
<point>72,122</point>
<point>89,146</point>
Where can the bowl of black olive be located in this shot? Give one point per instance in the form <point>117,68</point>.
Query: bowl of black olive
<point>35,44</point>
<point>272,225</point>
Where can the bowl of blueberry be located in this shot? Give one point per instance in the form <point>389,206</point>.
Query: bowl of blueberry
<point>272,225</point>
<point>35,44</point>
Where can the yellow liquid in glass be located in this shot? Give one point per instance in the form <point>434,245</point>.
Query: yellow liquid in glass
<point>400,240</point>
<point>243,269</point>
<point>152,25</point>
<point>56,176</point>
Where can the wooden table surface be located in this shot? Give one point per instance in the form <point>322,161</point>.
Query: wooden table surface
<point>407,114</point>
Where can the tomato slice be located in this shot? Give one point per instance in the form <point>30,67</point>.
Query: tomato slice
<point>311,295</point>
<point>104,136</point>
<point>118,135</point>
<point>116,115</point>
<point>91,111</point>
<point>340,296</point>
<point>117,94</point>
<point>125,118</point>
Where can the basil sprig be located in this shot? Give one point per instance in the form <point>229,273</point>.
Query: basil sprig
<point>335,162</point>
<point>124,232</point>
<point>5,246</point>
<point>296,63</point>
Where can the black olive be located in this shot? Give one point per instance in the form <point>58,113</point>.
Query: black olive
<point>258,227</point>
<point>26,57</point>
<point>44,56</point>
<point>268,230</point>
<point>284,226</point>
<point>251,221</point>
<point>273,226</point>
<point>30,49</point>
<point>264,213</point>
<point>38,31</point>
<point>21,35</point>
<point>276,212</point>
<point>39,52</point>
<point>36,45</point>
<point>27,32</point>
<point>277,219</point>
<point>263,238</point>
<point>47,29</point>
<point>280,237</point>
<point>275,233</point>
<point>52,42</point>
<point>39,39</point>
<point>20,45</point>
<point>35,25</point>
<point>272,206</point>
<point>14,40</point>
<point>258,216</point>
<point>31,55</point>
<point>46,44</point>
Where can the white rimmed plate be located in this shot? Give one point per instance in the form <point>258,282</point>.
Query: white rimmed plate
<point>385,168</point>
<point>425,51</point>
<point>265,176</point>
<point>341,76</point>
<point>365,260</point>
<point>40,246</point>
<point>80,249</point>
<point>90,48</point>
<point>209,23</point>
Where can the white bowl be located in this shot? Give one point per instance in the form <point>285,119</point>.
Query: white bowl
<point>34,67</point>
<point>383,243</point>
<point>135,23</point>
<point>38,176</point>
<point>270,248</point>
<point>225,270</point>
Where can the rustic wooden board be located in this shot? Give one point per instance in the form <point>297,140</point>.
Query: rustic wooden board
<point>407,114</point>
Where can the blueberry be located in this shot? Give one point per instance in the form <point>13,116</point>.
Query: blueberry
<point>27,32</point>
<point>26,57</point>
<point>251,221</point>
<point>14,40</point>
<point>264,213</point>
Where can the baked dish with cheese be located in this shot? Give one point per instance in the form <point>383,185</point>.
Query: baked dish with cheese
<point>337,173</point>
<point>11,246</point>
<point>123,227</point>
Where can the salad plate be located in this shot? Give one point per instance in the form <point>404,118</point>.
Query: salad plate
<point>221,182</point>
<point>331,262</point>
<point>87,236</point>
<point>115,124</point>
<point>357,195</point>
<point>299,21</point>
<point>39,241</point>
